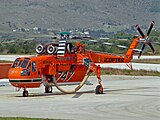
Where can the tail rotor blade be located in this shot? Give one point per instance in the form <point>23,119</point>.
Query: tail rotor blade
<point>146,38</point>
<point>150,28</point>
<point>151,46</point>
<point>142,50</point>
<point>140,31</point>
<point>144,45</point>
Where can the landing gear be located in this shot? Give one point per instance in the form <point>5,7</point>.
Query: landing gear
<point>25,93</point>
<point>48,89</point>
<point>48,83</point>
<point>99,89</point>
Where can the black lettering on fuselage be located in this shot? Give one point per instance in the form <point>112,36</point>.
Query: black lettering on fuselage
<point>114,60</point>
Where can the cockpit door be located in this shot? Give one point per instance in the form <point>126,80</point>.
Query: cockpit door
<point>33,69</point>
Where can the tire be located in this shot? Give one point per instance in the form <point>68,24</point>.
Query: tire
<point>48,89</point>
<point>25,93</point>
<point>99,90</point>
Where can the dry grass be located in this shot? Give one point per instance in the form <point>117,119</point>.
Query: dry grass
<point>112,71</point>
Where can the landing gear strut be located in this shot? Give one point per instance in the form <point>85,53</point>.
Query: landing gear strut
<point>48,89</point>
<point>99,88</point>
<point>47,82</point>
<point>25,93</point>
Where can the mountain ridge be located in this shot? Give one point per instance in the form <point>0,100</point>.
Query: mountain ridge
<point>74,14</point>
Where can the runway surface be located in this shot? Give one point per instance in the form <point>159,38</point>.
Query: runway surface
<point>124,98</point>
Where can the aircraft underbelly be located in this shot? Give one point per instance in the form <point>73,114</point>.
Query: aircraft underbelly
<point>75,75</point>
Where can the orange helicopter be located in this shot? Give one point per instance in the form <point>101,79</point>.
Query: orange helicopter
<point>64,64</point>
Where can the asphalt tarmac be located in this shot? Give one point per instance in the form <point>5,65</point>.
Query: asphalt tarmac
<point>124,98</point>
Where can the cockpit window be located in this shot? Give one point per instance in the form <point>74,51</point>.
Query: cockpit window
<point>24,64</point>
<point>29,66</point>
<point>19,64</point>
<point>34,66</point>
<point>15,63</point>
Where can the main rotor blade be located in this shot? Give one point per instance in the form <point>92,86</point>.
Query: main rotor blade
<point>111,44</point>
<point>137,50</point>
<point>151,46</point>
<point>93,40</point>
<point>157,43</point>
<point>121,46</point>
<point>150,28</point>
<point>140,31</point>
<point>12,41</point>
<point>106,43</point>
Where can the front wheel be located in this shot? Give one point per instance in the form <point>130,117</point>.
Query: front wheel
<point>99,89</point>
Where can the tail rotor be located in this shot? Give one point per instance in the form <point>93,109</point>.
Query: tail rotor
<point>145,38</point>
<point>140,31</point>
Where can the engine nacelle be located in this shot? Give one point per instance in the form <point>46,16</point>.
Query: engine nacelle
<point>51,49</point>
<point>40,49</point>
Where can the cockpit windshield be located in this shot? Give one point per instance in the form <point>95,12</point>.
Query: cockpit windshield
<point>24,64</point>
<point>20,63</point>
<point>15,63</point>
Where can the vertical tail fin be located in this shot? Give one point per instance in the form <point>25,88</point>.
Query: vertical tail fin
<point>135,42</point>
<point>132,48</point>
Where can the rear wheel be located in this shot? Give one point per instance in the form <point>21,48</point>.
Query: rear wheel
<point>99,89</point>
<point>48,89</point>
<point>25,93</point>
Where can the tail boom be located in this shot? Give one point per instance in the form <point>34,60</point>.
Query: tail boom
<point>110,58</point>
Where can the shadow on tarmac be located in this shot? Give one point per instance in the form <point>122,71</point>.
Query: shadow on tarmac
<point>105,91</point>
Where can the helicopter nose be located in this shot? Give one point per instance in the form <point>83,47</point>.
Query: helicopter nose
<point>13,72</point>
